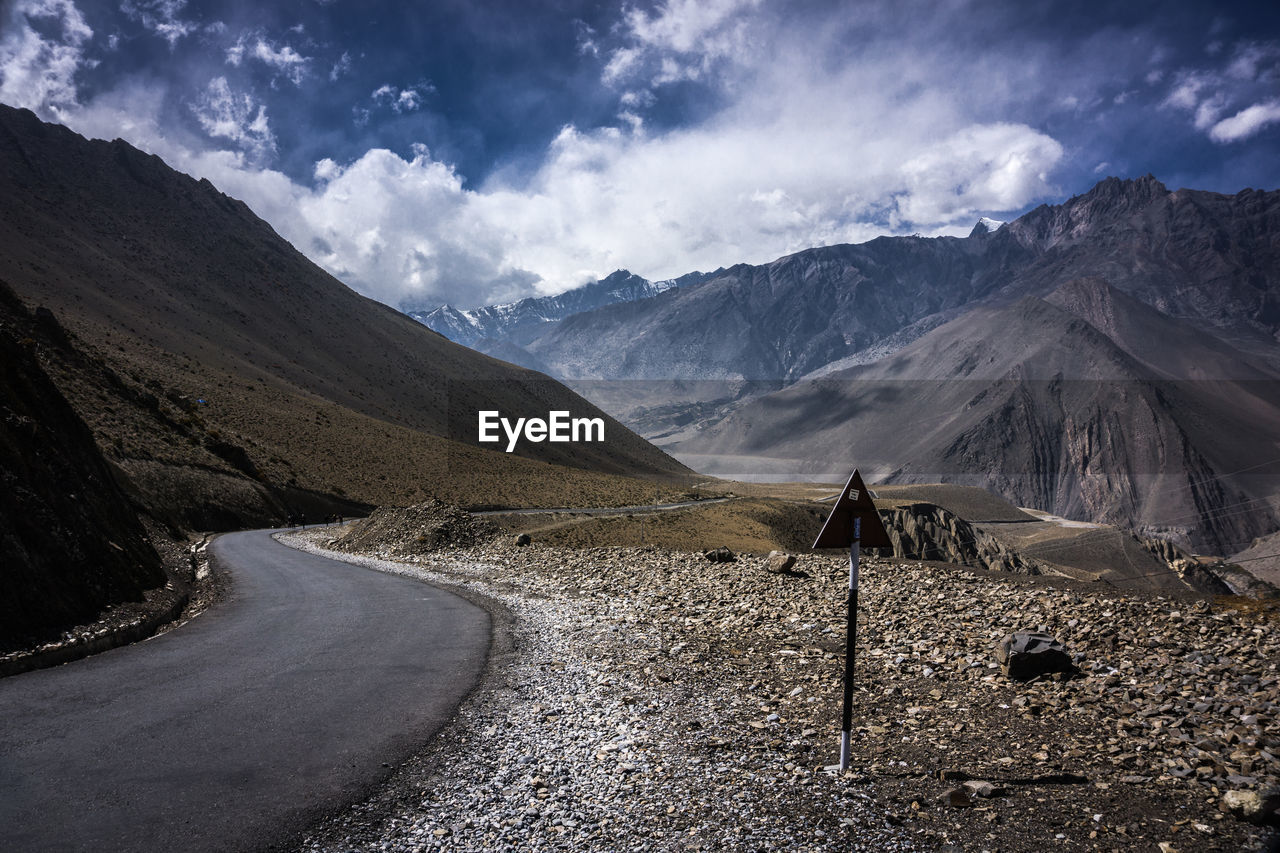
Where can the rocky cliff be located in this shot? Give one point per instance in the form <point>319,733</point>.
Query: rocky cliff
<point>70,541</point>
<point>924,531</point>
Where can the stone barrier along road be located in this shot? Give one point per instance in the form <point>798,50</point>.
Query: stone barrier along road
<point>282,703</point>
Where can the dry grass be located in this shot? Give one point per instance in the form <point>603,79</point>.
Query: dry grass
<point>745,526</point>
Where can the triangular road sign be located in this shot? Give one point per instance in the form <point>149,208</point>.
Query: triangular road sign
<point>854,503</point>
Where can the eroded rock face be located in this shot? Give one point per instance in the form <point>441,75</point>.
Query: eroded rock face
<point>925,531</point>
<point>70,544</point>
<point>1219,578</point>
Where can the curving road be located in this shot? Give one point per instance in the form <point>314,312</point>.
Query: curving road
<point>243,726</point>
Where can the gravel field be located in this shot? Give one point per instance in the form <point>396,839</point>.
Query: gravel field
<point>651,700</point>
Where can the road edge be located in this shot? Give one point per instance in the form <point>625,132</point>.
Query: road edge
<point>383,796</point>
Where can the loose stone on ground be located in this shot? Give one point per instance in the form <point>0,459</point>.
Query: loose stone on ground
<point>659,700</point>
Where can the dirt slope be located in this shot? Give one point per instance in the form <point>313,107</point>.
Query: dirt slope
<point>249,379</point>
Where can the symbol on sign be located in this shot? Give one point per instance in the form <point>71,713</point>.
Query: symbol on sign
<point>853,494</point>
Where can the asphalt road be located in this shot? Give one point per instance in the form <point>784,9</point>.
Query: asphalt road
<point>238,729</point>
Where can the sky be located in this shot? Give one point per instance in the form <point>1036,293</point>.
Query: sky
<point>478,152</point>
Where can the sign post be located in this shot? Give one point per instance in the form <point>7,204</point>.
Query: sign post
<point>853,522</point>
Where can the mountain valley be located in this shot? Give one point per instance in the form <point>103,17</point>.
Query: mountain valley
<point>1112,359</point>
<point>230,382</point>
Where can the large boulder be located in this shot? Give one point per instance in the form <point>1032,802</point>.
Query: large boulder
<point>1253,806</point>
<point>779,562</point>
<point>1024,655</point>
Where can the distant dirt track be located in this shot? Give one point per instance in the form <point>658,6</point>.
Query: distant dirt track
<point>604,510</point>
<point>240,728</point>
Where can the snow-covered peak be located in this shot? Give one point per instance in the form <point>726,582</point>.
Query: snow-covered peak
<point>986,225</point>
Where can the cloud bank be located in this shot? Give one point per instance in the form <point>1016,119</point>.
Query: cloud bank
<point>806,129</point>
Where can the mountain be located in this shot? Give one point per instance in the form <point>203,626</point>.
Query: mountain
<point>227,378</point>
<point>1166,308</point>
<point>519,322</point>
<point>1078,403</point>
<point>777,321</point>
<point>1200,256</point>
<point>985,225</point>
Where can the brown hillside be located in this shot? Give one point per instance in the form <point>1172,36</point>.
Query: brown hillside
<point>249,380</point>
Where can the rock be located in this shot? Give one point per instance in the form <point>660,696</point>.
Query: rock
<point>1023,655</point>
<point>779,561</point>
<point>956,798</point>
<point>978,788</point>
<point>523,539</point>
<point>720,555</point>
<point>1252,806</point>
<point>924,531</point>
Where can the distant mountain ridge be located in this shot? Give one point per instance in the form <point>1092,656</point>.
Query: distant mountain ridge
<point>1196,255</point>
<point>522,320</point>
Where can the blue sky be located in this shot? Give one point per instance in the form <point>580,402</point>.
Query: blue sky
<point>474,152</point>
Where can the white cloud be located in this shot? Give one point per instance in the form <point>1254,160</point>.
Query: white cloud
<point>1239,82</point>
<point>401,100</point>
<point>235,117</point>
<point>283,58</point>
<point>1253,59</point>
<point>984,167</point>
<point>406,230</point>
<point>39,73</point>
<point>341,67</point>
<point>1186,94</point>
<point>586,39</point>
<point>1246,123</point>
<point>681,40</point>
<point>161,18</point>
<point>812,143</point>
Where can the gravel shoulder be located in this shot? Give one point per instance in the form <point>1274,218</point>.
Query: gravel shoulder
<point>650,700</point>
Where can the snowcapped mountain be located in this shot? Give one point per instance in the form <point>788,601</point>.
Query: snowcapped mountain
<point>986,225</point>
<point>523,320</point>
